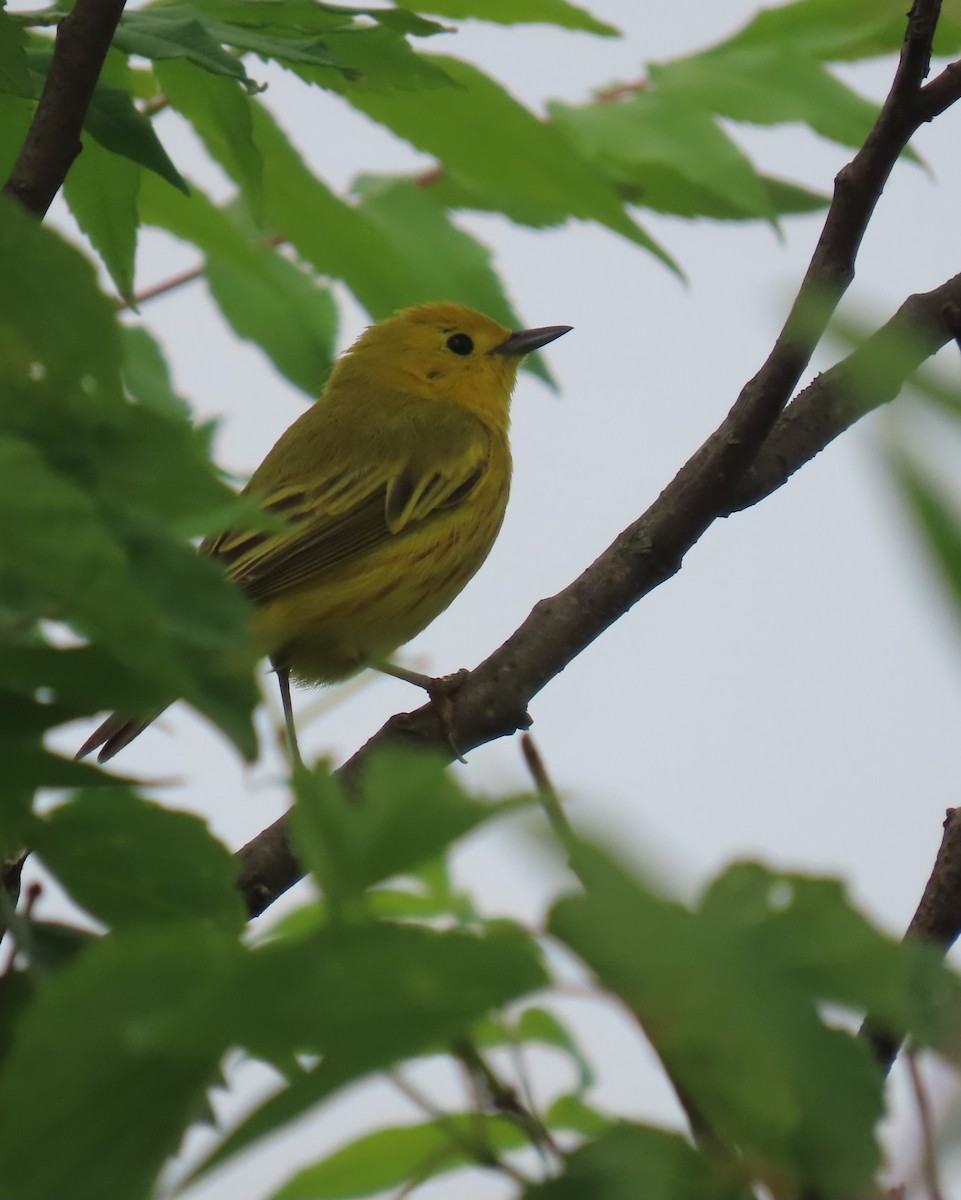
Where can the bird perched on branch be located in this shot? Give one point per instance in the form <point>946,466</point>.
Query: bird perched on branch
<point>392,488</point>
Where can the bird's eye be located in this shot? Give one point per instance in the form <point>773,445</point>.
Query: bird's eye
<point>460,343</point>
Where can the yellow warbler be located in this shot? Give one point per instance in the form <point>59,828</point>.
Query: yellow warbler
<point>393,485</point>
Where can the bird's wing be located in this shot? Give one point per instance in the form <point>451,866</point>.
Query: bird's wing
<point>372,495</point>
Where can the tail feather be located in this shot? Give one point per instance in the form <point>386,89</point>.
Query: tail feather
<point>115,733</point>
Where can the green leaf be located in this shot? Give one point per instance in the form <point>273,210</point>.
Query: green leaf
<point>14,66</point>
<point>935,513</point>
<point>29,766</point>
<point>409,809</point>
<point>117,125</point>
<point>331,235</point>
<point>610,1168</point>
<point>147,377</point>
<point>806,931</point>
<point>78,680</point>
<point>16,113</point>
<point>101,189</point>
<point>393,1156</point>
<point>125,1038</point>
<point>376,59</point>
<point>283,309</point>
<point>131,862</point>
<point>497,148</point>
<point>516,12</point>
<point>42,280</point>
<point>831,31</point>
<point>769,85</point>
<point>367,996</point>
<point>671,154</point>
<point>442,259</point>
<point>740,1035</point>
<point>219,111</point>
<point>171,31</point>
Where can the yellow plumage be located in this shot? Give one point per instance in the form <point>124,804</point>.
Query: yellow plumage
<point>393,486</point>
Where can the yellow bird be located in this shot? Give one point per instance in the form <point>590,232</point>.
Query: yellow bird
<point>393,486</point>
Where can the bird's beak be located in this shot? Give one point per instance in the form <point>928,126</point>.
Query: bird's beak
<point>523,341</point>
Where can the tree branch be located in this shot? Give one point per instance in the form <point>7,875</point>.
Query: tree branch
<point>937,920</point>
<point>492,701</point>
<point>53,139</point>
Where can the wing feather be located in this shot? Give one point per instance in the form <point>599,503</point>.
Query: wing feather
<point>337,513</point>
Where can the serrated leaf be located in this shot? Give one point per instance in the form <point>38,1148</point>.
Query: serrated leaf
<point>284,310</point>
<point>332,236</point>
<point>130,862</point>
<point>101,190</point>
<point>670,152</point>
<point>610,1167</point>
<point>516,12</point>
<point>126,1037</point>
<point>769,85</point>
<point>369,995</point>
<point>408,810</point>
<point>219,111</point>
<point>497,148</point>
<point>119,126</point>
<point>738,1035</point>
<point>375,59</point>
<point>172,31</point>
<point>442,259</point>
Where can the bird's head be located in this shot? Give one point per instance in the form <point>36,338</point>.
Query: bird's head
<point>446,351</point>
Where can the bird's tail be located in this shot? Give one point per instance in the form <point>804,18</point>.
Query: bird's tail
<point>115,733</point>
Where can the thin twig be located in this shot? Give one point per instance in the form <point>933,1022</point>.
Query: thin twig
<point>549,799</point>
<point>53,139</point>
<point>929,1156</point>
<point>481,1152</point>
<point>937,920</point>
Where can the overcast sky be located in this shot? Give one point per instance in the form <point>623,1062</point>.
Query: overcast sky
<point>793,694</point>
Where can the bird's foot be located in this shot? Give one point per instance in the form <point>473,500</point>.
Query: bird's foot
<point>441,690</point>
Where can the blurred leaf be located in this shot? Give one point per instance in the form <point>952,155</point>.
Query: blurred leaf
<point>284,310</point>
<point>670,152</point>
<point>168,31</point>
<point>391,1157</point>
<point>495,146</point>
<point>535,1026</point>
<point>443,259</point>
<point>79,680</point>
<point>408,810</point>
<point>125,1038</point>
<point>101,189</point>
<point>146,376</point>
<point>768,85</point>
<point>367,996</point>
<point>516,12</point>
<point>739,1033</point>
<point>571,1112</point>
<point>29,766</point>
<point>787,197</point>
<point>220,113</point>
<point>130,862</point>
<point>610,1168</point>
<point>936,516</point>
<point>14,67</point>
<point>376,60</point>
<point>56,326</point>
<point>16,113</point>
<point>805,930</point>
<point>833,32</point>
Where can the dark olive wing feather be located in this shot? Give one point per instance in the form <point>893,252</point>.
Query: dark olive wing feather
<point>338,515</point>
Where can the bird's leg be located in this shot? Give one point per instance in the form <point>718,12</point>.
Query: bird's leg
<point>283,682</point>
<point>440,689</point>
